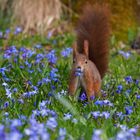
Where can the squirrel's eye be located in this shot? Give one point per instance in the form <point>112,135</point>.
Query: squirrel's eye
<point>86,62</point>
<point>73,60</point>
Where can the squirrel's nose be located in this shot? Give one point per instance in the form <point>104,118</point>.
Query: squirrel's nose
<point>78,67</point>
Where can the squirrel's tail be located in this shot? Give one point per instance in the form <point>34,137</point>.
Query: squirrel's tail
<point>94,27</point>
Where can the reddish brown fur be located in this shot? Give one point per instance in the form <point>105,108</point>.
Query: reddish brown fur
<point>91,56</point>
<point>94,27</point>
<point>92,85</point>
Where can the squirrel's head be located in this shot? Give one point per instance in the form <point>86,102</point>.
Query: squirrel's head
<point>80,61</point>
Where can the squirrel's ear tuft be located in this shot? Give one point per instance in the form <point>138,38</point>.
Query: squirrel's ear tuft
<point>75,52</point>
<point>86,46</point>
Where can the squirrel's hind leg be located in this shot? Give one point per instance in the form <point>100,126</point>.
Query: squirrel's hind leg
<point>93,90</point>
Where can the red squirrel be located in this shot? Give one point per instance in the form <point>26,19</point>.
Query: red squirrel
<point>91,50</point>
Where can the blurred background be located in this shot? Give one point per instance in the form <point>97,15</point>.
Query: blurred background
<point>58,16</point>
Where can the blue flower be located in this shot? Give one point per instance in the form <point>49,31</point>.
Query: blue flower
<point>123,127</point>
<point>92,98</point>
<point>67,116</point>
<point>45,136</point>
<point>11,51</point>
<point>30,53</point>
<point>36,112</point>
<point>5,84</point>
<point>74,120</point>
<point>128,79</point>
<point>22,49</point>
<point>30,71</point>
<point>18,30</point>
<point>6,114</point>
<point>28,64</point>
<point>15,90</point>
<point>6,79</point>
<point>51,56</point>
<point>119,114</point>
<point>28,132</point>
<point>21,101</point>
<point>6,104</point>
<point>119,88</point>
<point>128,91</point>
<point>66,52</point>
<point>126,134</point>
<point>26,53</point>
<point>95,114</point>
<point>44,81</point>
<point>53,74</point>
<point>52,113</point>
<point>8,92</point>
<point>97,134</point>
<point>137,82</point>
<point>35,88</point>
<point>38,46</point>
<point>106,114</point>
<point>2,133</point>
<point>128,110</point>
<point>1,34</point>
<point>35,129</point>
<point>7,31</point>
<point>29,82</point>
<point>99,102</point>
<point>42,104</point>
<point>78,72</point>
<point>43,112</point>
<point>14,135</point>
<point>51,123</point>
<point>49,34</point>
<point>21,67</point>
<point>107,103</point>
<point>83,96</point>
<point>29,93</point>
<point>3,70</point>
<point>138,96</point>
<point>126,55</point>
<point>133,130</point>
<point>39,58</point>
<point>62,93</point>
<point>22,117</point>
<point>15,123</point>
<point>34,137</point>
<point>62,134</point>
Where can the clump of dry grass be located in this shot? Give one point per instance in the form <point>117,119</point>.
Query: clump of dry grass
<point>5,7</point>
<point>37,15</point>
<point>3,4</point>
